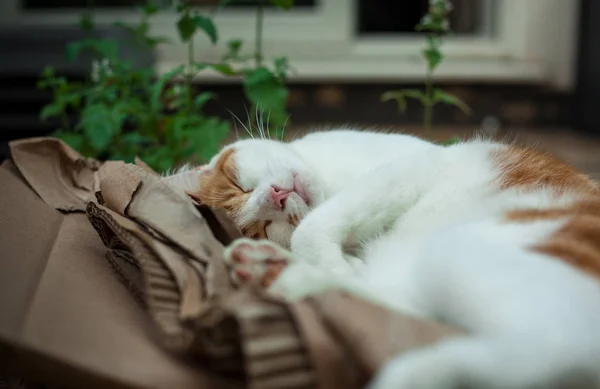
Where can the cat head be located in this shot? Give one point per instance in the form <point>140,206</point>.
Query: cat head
<point>263,185</point>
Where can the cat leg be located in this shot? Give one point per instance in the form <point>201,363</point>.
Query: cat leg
<point>270,266</point>
<point>485,363</point>
<point>360,212</point>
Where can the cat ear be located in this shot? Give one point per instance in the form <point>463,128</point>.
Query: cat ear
<point>201,171</point>
<point>187,179</point>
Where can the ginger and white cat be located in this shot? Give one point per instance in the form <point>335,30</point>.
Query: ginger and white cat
<point>501,241</point>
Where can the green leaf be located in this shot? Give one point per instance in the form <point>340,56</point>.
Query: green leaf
<point>416,94</point>
<point>47,78</point>
<point>100,125</point>
<point>222,68</point>
<point>400,97</point>
<point>178,129</point>
<point>135,138</point>
<point>267,93</point>
<point>51,110</point>
<point>159,85</point>
<point>86,22</point>
<point>433,56</point>
<point>234,46</point>
<point>150,8</point>
<point>451,141</point>
<point>72,139</point>
<point>160,159</point>
<point>283,4</point>
<point>155,41</point>
<point>72,99</point>
<point>105,48</point>
<point>439,96</point>
<point>282,66</point>
<point>176,96</point>
<point>202,99</point>
<point>72,50</point>
<point>186,26</point>
<point>48,71</point>
<point>433,41</point>
<point>208,137</point>
<point>207,25</point>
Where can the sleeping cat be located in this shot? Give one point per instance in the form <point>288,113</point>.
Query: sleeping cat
<point>499,240</point>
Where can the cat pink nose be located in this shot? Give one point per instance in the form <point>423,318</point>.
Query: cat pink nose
<point>279,195</point>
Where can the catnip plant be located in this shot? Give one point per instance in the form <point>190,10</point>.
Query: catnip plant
<point>124,111</point>
<point>436,26</point>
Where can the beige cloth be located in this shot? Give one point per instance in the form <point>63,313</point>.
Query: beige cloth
<point>70,321</point>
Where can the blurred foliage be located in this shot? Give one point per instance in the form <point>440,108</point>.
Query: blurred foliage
<point>124,111</point>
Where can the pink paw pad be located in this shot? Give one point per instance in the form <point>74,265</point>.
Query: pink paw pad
<point>258,262</point>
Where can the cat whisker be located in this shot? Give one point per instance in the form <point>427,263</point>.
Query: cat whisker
<point>284,127</point>
<point>295,134</point>
<point>235,127</point>
<point>259,122</point>
<point>268,125</point>
<point>248,131</point>
<point>249,120</point>
<point>256,121</point>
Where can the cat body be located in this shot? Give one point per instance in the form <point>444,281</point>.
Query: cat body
<point>501,241</point>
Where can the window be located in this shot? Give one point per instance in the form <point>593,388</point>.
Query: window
<point>385,17</point>
<point>368,40</point>
<point>80,4</point>
<point>74,4</point>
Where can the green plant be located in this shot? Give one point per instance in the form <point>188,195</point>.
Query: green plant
<point>126,111</point>
<point>264,86</point>
<point>436,25</point>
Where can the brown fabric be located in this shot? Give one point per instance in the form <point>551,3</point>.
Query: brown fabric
<point>171,217</point>
<point>68,320</point>
<point>59,175</point>
<point>334,367</point>
<point>374,334</point>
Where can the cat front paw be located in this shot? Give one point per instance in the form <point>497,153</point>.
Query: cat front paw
<point>416,372</point>
<point>257,262</point>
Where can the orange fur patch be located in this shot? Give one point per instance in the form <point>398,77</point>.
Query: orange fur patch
<point>527,168</point>
<point>219,188</point>
<point>578,241</point>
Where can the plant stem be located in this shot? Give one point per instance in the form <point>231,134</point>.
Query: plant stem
<point>66,123</point>
<point>190,75</point>
<point>260,14</point>
<point>428,113</point>
<point>89,10</point>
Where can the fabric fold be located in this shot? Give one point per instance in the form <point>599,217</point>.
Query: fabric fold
<point>62,178</point>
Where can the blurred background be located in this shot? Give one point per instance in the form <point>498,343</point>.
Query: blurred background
<point>529,70</point>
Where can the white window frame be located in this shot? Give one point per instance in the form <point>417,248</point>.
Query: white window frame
<point>534,42</point>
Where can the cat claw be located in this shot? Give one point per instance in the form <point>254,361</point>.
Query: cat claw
<point>256,261</point>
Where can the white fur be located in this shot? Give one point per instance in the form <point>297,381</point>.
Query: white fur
<point>428,221</point>
<point>184,179</point>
